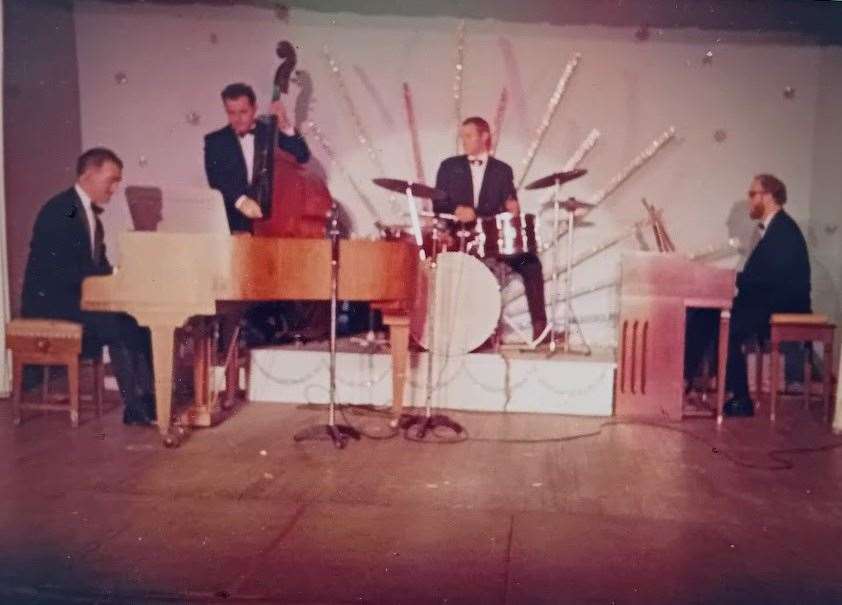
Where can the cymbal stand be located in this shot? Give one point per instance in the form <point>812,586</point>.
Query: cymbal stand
<point>569,317</point>
<point>427,422</point>
<point>338,433</point>
<point>551,323</point>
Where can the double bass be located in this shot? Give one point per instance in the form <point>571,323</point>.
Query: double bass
<point>294,201</point>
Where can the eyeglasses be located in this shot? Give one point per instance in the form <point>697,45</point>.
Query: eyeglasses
<point>751,194</point>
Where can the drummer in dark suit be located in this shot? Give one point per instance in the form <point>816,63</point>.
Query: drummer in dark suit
<point>477,184</point>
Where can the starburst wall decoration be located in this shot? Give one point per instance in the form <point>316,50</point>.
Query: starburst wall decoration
<point>514,311</point>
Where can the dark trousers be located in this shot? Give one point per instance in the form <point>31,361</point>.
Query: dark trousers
<point>528,266</point>
<point>747,323</point>
<point>129,347</point>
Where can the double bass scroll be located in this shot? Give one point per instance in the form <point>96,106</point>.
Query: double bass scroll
<point>294,201</point>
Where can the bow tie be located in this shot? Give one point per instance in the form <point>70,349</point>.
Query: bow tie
<point>97,210</point>
<point>761,226</point>
<point>247,132</point>
<point>475,161</point>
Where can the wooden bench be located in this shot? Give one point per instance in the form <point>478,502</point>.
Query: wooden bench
<point>802,328</point>
<point>45,343</point>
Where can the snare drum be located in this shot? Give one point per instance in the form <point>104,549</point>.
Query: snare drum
<point>505,234</point>
<point>437,239</point>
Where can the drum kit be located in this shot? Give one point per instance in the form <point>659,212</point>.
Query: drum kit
<point>458,304</point>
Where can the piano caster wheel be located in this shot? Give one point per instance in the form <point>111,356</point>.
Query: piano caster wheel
<point>174,437</point>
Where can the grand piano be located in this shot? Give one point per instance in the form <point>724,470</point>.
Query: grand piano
<point>656,289</point>
<point>167,278</point>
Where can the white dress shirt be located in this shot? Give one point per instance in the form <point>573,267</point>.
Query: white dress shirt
<point>478,173</point>
<point>247,145</point>
<point>89,213</point>
<point>764,224</point>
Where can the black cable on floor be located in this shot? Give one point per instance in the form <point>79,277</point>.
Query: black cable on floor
<point>442,436</point>
<point>777,456</point>
<point>391,434</point>
<point>360,410</point>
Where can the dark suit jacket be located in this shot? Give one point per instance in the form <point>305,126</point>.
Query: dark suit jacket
<point>454,178</point>
<point>225,165</point>
<point>776,276</point>
<point>59,259</point>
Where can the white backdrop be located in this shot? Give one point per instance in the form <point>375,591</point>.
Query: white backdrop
<point>150,78</point>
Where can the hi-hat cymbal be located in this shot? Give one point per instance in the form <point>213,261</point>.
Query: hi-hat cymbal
<point>577,222</point>
<point>418,190</point>
<point>570,205</point>
<point>559,177</point>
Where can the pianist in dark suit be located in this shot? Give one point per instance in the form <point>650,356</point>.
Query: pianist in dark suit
<point>478,184</point>
<point>229,152</point>
<point>775,279</point>
<point>67,246</point>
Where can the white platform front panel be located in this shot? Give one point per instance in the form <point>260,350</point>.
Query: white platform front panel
<point>479,381</point>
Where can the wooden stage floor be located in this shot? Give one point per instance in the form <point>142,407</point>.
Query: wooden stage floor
<point>527,510</point>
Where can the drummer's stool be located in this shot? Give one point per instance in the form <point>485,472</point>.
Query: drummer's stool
<point>45,343</point>
<point>804,328</point>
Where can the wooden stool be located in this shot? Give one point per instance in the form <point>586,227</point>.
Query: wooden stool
<point>48,342</point>
<point>805,328</point>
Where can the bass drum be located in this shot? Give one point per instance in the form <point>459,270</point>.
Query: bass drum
<point>467,305</point>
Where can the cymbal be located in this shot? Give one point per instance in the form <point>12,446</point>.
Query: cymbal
<point>440,215</point>
<point>418,190</point>
<point>570,205</point>
<point>394,226</point>
<point>560,177</point>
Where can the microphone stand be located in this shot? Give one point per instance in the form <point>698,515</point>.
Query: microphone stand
<point>338,433</point>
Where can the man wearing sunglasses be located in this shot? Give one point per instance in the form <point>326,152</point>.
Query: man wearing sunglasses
<point>775,279</point>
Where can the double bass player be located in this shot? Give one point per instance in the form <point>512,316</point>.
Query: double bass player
<point>230,153</point>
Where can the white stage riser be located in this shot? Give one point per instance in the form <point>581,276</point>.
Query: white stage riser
<point>480,382</point>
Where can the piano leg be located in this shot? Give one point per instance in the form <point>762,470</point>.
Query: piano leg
<point>162,362</point>
<point>201,362</point>
<point>724,329</point>
<point>399,343</point>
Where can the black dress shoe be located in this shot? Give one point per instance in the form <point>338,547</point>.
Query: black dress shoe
<point>133,417</point>
<point>738,407</point>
